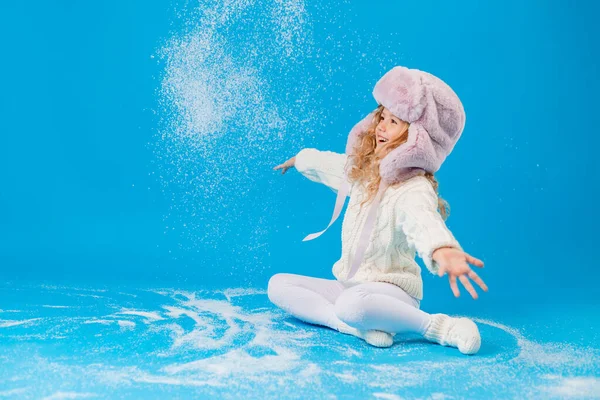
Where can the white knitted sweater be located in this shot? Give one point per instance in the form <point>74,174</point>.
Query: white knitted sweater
<point>407,223</point>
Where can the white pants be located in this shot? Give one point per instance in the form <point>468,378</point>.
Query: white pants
<point>366,306</point>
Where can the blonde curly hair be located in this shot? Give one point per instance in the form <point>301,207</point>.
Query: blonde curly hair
<point>365,159</point>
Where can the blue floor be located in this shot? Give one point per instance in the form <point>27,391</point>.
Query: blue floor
<point>121,342</point>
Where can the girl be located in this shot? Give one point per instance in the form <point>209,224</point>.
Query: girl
<point>390,159</point>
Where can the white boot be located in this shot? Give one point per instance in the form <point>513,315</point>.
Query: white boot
<point>373,337</point>
<point>456,332</point>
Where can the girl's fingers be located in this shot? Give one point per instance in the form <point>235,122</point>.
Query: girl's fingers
<point>474,261</point>
<point>478,280</point>
<point>441,271</point>
<point>468,286</point>
<point>282,167</point>
<point>454,286</point>
<point>285,165</point>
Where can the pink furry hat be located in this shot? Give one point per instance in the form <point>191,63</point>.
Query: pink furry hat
<point>434,112</point>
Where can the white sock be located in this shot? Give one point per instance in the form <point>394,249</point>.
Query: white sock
<point>456,332</point>
<point>373,337</point>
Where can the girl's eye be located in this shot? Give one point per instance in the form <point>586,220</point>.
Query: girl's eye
<point>393,121</point>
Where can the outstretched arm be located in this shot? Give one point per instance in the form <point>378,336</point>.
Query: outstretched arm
<point>324,167</point>
<point>430,237</point>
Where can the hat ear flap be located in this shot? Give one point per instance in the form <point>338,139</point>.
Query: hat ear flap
<point>445,115</point>
<point>418,152</point>
<point>358,129</point>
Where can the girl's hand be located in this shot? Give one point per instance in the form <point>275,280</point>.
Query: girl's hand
<point>456,263</point>
<point>286,165</point>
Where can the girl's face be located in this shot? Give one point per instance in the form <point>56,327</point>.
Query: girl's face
<point>389,128</point>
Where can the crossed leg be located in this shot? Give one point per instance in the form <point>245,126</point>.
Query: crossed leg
<point>367,306</point>
<point>381,306</point>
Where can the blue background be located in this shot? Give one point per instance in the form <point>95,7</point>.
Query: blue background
<point>92,194</point>
<point>79,201</point>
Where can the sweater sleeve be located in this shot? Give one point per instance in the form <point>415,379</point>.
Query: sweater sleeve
<point>422,224</point>
<point>324,167</point>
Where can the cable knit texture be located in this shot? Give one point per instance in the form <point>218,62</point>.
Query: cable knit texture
<point>407,224</point>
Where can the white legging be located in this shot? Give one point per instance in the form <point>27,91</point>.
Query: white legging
<point>366,306</point>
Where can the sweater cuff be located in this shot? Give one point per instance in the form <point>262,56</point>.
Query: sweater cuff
<point>303,158</point>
